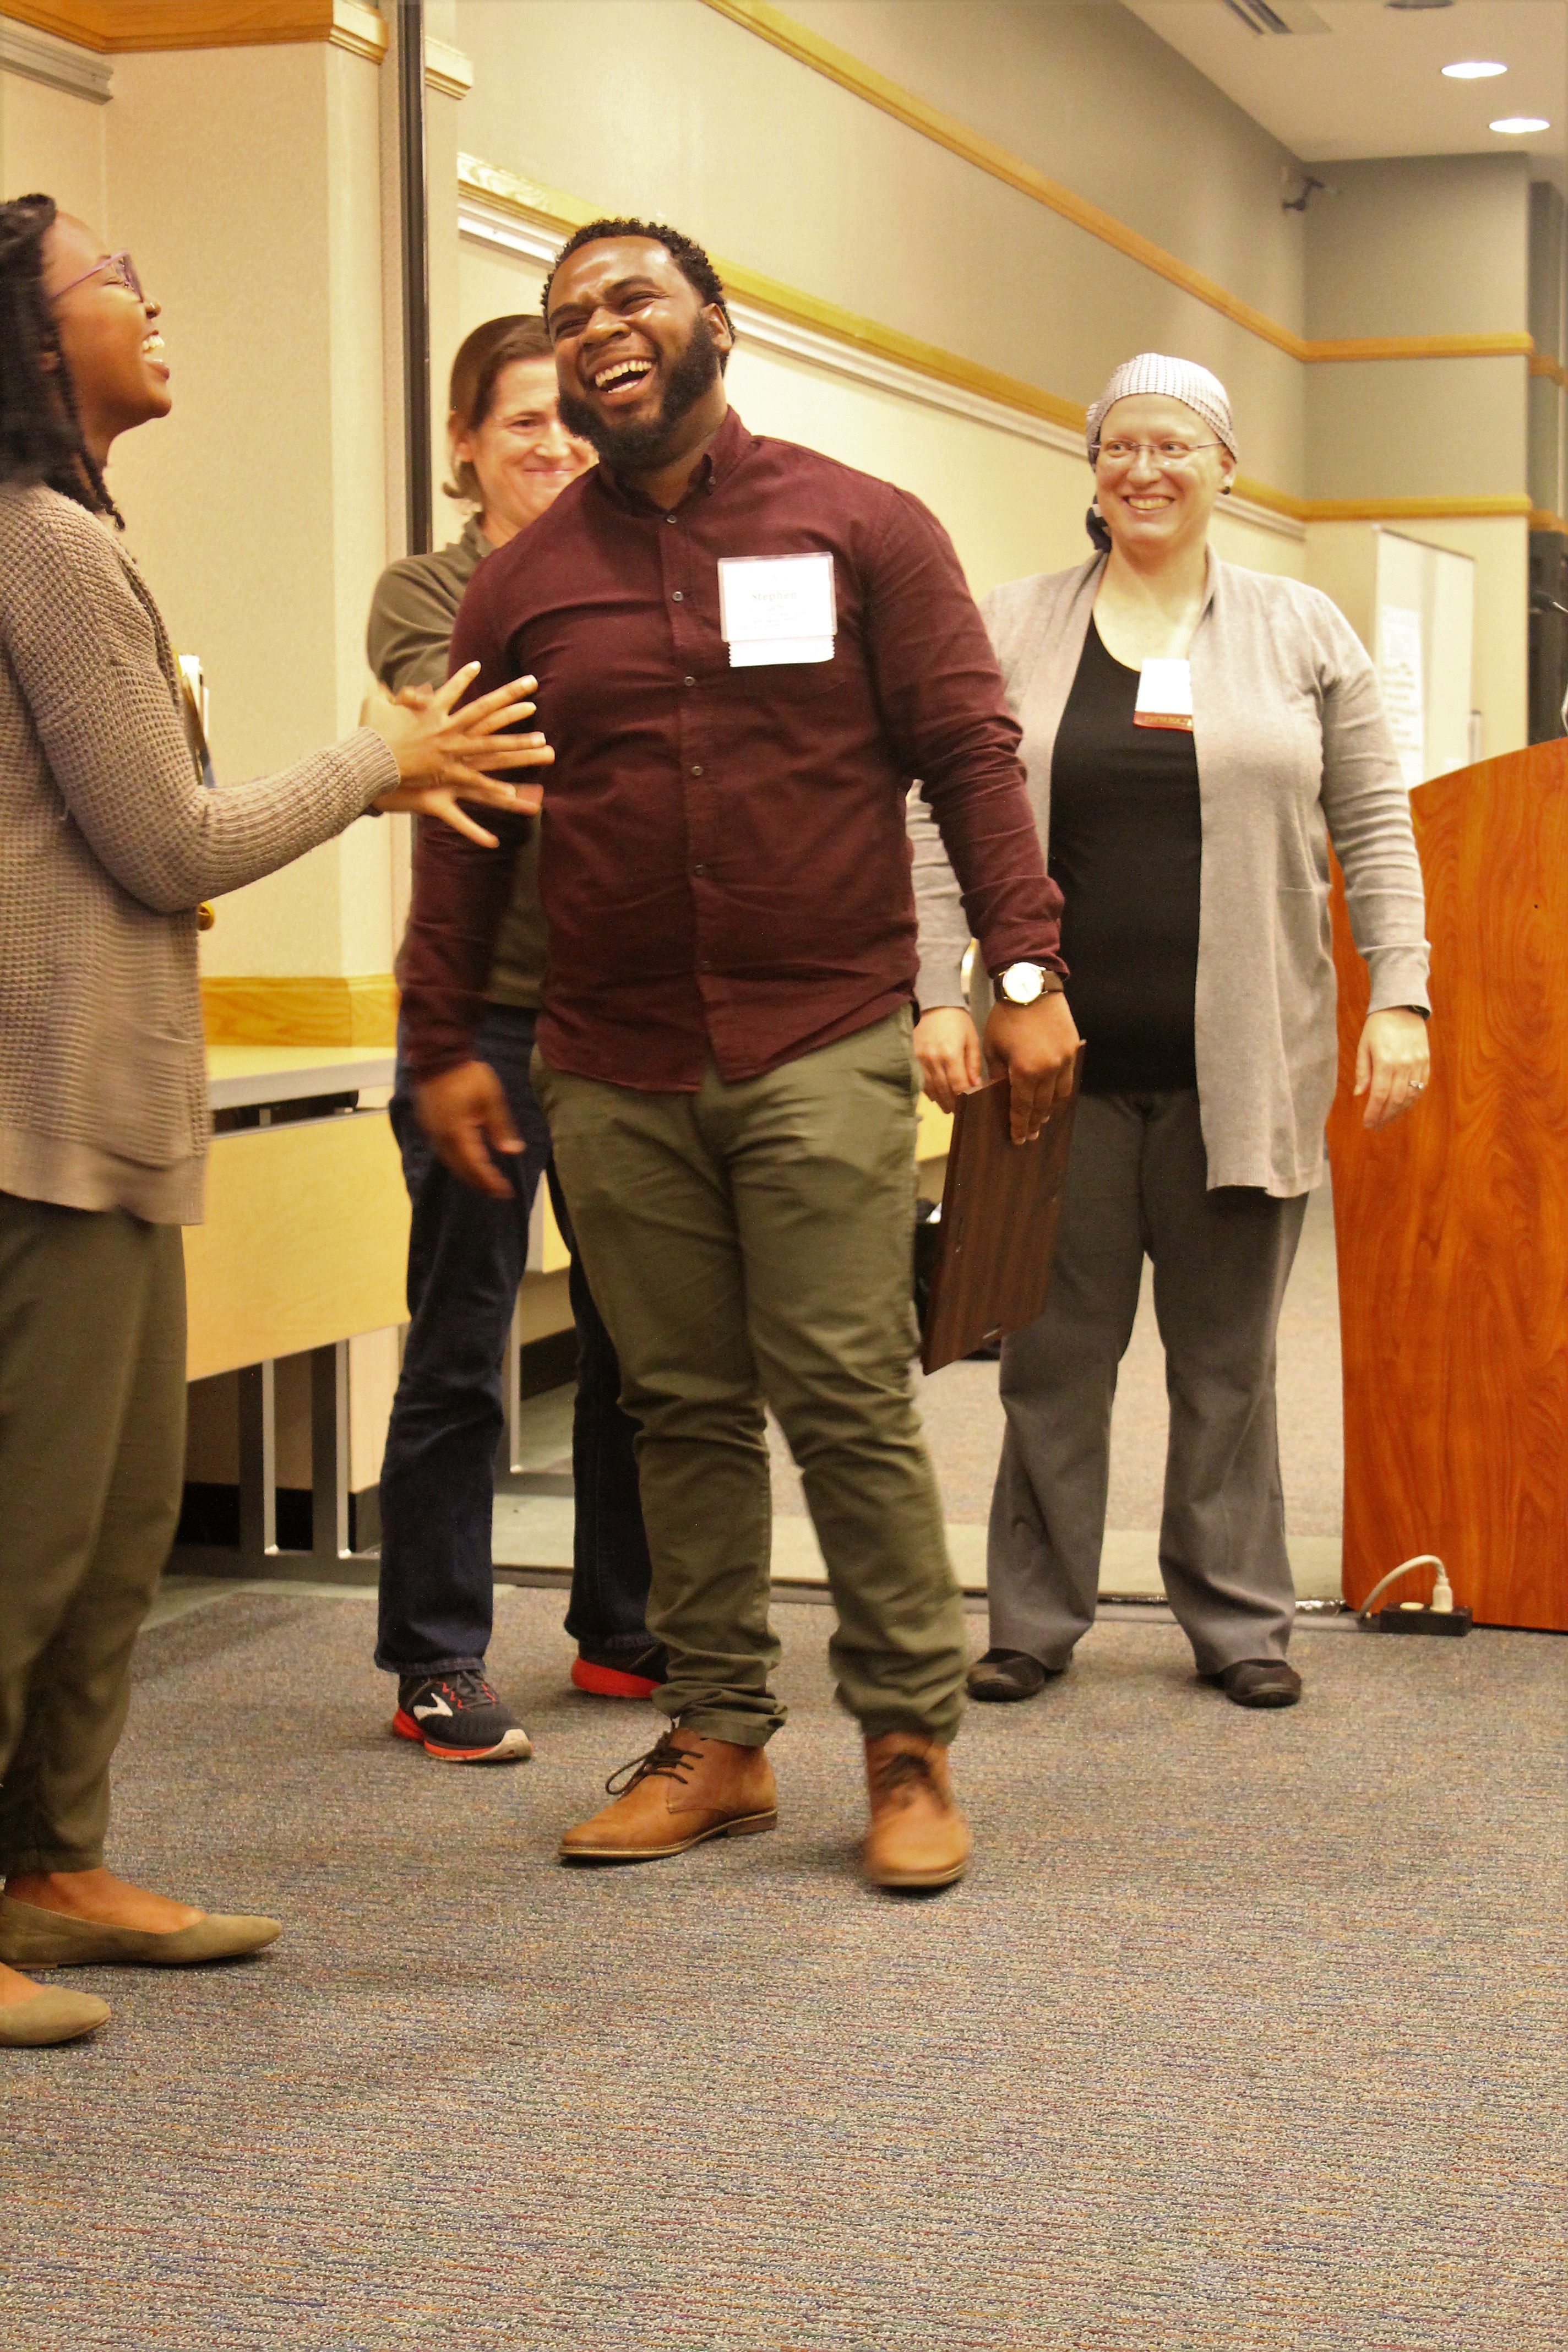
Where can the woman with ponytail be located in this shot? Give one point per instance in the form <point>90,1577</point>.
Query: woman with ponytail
<point>108,842</point>
<point>1195,735</point>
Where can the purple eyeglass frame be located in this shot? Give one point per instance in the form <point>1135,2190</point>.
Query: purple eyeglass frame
<point>119,262</point>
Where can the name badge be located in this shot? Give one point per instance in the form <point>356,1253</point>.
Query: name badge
<point>1164,695</point>
<point>777,608</point>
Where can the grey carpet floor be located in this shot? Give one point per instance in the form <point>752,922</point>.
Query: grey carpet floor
<point>1244,2033</point>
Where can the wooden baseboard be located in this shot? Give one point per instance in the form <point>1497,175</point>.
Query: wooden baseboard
<point>360,1009</point>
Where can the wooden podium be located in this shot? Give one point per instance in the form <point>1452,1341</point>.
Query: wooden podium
<point>1452,1224</point>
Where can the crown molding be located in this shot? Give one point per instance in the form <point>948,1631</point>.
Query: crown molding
<point>112,26</point>
<point>447,70</point>
<point>105,27</point>
<point>851,73</point>
<point>39,55</point>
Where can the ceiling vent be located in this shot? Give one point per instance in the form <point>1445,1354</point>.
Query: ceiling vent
<point>1280,15</point>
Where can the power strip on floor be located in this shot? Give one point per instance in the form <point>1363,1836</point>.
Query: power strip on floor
<point>1409,1617</point>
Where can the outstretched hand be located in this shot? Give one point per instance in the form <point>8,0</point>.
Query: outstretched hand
<point>445,755</point>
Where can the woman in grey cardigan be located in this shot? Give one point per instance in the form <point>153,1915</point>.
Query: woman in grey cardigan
<point>109,841</point>
<point>1195,735</point>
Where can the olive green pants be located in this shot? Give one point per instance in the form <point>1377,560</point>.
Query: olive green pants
<point>92,1439</point>
<point>752,1242</point>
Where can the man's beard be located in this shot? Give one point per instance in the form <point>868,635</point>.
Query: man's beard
<point>634,446</point>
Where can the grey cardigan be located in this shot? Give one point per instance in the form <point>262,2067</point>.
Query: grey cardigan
<point>108,842</point>
<point>1292,752</point>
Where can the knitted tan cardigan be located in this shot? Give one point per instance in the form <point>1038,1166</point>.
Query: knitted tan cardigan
<point>109,841</point>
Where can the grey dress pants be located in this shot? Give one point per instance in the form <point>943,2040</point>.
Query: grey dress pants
<point>1138,1184</point>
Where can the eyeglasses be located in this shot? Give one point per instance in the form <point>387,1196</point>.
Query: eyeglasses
<point>1163,453</point>
<point>124,270</point>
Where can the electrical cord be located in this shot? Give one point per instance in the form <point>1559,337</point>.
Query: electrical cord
<point>1442,1601</point>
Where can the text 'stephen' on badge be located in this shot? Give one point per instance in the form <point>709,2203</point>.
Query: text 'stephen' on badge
<point>777,608</point>
<point>1164,695</point>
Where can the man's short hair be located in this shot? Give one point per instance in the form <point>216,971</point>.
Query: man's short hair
<point>684,251</point>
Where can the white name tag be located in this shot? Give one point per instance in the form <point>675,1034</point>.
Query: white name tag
<point>1164,695</point>
<point>777,608</point>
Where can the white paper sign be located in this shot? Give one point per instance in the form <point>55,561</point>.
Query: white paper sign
<point>1404,690</point>
<point>1164,695</point>
<point>777,608</point>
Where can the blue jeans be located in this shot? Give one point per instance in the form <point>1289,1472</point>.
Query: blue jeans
<point>465,1257</point>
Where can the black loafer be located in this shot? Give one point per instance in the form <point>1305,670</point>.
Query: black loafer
<point>1260,1682</point>
<point>1007,1675</point>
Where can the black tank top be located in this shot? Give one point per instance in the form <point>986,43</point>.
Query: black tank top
<point>1126,852</point>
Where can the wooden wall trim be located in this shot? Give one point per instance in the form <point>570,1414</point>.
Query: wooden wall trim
<point>41,56</point>
<point>533,204</point>
<point>116,26</point>
<point>1541,365</point>
<point>1504,346</point>
<point>325,1009</point>
<point>863,82</point>
<point>1543,519</point>
<point>1507,502</point>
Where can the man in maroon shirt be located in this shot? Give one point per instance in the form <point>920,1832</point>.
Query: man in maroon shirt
<point>745,653</point>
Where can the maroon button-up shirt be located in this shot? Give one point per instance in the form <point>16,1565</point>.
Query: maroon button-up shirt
<point>724,867</point>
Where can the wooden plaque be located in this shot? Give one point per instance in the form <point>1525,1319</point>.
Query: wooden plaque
<point>1001,1205</point>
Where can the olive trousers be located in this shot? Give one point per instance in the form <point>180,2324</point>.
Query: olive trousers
<point>92,1440</point>
<point>752,1242</point>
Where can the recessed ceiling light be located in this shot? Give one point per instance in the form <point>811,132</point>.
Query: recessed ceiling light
<point>1473,69</point>
<point>1518,126</point>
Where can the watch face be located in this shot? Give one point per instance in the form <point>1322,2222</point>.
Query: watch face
<point>1021,984</point>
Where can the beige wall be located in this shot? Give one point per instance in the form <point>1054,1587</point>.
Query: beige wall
<point>1340,558</point>
<point>1420,246</point>
<point>665,107</point>
<point>53,143</point>
<point>257,510</point>
<point>1092,97</point>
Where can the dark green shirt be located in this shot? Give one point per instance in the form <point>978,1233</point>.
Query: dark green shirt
<point>411,618</point>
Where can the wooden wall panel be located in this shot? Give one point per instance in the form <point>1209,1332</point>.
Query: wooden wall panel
<point>306,1240</point>
<point>356,1009</point>
<point>1453,1225</point>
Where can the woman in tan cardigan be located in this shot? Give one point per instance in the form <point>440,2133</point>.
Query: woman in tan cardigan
<point>109,841</point>
<point>1194,734</point>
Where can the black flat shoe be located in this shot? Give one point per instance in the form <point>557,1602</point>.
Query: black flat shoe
<point>1260,1682</point>
<point>1007,1675</point>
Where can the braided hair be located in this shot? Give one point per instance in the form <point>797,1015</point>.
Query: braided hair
<point>40,429</point>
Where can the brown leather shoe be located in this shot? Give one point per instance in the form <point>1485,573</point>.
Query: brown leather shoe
<point>917,1836</point>
<point>683,1791</point>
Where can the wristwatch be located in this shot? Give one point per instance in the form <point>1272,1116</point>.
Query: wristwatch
<point>1025,984</point>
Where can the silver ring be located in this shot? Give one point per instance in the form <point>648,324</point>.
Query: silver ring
<point>1416,1085</point>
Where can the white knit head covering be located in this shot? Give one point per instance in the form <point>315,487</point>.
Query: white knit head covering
<point>1181,379</point>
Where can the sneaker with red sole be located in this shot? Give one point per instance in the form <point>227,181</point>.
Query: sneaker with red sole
<point>458,1719</point>
<point>621,1674</point>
